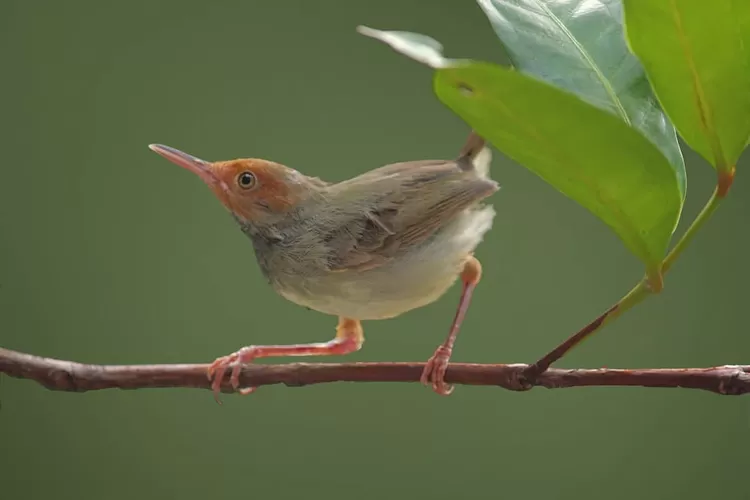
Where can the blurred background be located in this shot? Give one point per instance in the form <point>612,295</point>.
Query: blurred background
<point>110,254</point>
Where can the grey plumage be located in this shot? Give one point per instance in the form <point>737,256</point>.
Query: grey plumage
<point>382,243</point>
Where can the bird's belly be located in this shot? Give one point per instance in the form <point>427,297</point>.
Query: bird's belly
<point>413,280</point>
<point>376,294</point>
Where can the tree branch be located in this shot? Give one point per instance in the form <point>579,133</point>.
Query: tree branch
<point>62,375</point>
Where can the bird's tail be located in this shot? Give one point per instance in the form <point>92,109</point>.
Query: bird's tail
<point>475,154</point>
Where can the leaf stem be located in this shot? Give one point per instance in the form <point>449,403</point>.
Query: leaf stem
<point>633,297</point>
<point>687,237</point>
<point>642,289</point>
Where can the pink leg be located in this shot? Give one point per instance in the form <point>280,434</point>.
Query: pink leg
<point>434,371</point>
<point>349,338</point>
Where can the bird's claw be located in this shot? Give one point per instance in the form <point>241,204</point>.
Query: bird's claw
<point>434,371</point>
<point>219,367</point>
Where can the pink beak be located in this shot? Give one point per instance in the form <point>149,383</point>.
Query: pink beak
<point>200,167</point>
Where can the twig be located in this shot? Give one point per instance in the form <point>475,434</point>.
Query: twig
<point>78,377</point>
<point>645,287</point>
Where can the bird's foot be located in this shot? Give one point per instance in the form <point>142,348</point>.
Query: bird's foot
<point>236,360</point>
<point>434,371</point>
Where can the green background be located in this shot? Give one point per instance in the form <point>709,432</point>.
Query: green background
<point>110,254</point>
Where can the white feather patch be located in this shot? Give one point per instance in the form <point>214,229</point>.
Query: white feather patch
<point>482,161</point>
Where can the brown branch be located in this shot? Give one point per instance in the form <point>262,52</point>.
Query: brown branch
<point>78,377</point>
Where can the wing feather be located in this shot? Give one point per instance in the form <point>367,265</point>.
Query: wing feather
<point>398,206</point>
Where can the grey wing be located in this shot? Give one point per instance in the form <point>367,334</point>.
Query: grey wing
<point>398,206</point>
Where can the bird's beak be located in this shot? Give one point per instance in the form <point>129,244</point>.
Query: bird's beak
<point>200,167</point>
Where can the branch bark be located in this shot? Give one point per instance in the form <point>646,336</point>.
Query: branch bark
<point>70,376</point>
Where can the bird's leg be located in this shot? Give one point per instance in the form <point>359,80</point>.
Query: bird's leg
<point>349,338</point>
<point>436,366</point>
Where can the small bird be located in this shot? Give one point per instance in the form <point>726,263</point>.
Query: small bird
<point>372,247</point>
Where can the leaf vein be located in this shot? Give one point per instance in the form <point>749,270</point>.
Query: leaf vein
<point>704,110</point>
<point>589,60</point>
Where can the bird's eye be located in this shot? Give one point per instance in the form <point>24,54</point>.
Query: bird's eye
<point>246,180</point>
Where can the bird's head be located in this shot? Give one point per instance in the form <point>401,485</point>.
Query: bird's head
<point>256,191</point>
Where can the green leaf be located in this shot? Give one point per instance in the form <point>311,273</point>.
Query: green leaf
<point>589,154</point>
<point>421,48</point>
<point>697,56</point>
<point>579,46</point>
<point>586,153</point>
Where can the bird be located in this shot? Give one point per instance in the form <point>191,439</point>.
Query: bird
<point>370,247</point>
